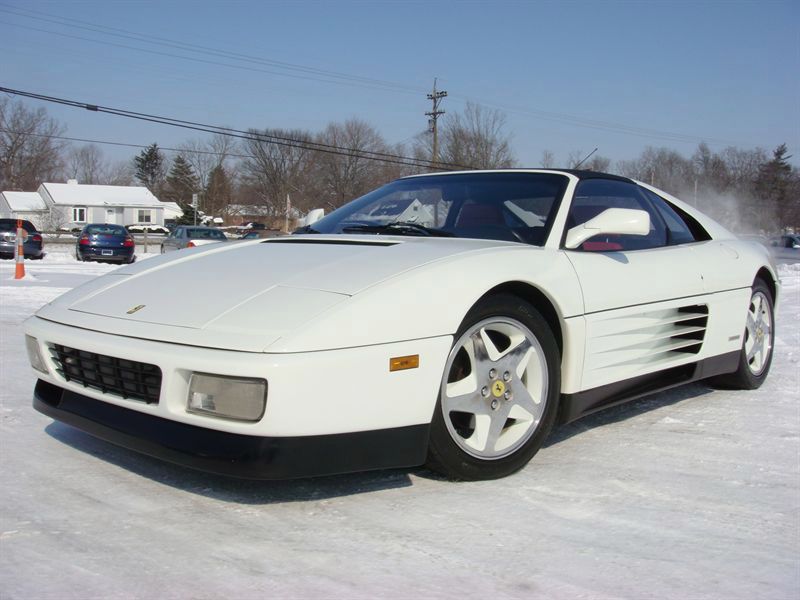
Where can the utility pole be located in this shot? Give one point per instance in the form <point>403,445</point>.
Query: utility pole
<point>435,98</point>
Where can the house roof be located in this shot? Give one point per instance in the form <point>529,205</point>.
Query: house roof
<point>74,194</point>
<point>24,201</point>
<point>172,210</point>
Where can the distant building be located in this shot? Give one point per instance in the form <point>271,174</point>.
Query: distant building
<point>24,205</point>
<point>172,212</point>
<point>72,205</point>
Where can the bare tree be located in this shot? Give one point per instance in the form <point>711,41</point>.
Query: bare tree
<point>345,176</point>
<point>574,157</point>
<point>710,168</point>
<point>29,154</point>
<point>662,167</point>
<point>272,171</point>
<point>743,166</point>
<point>597,163</point>
<point>208,154</point>
<point>548,160</point>
<point>119,173</point>
<point>56,219</point>
<point>86,164</point>
<point>472,139</point>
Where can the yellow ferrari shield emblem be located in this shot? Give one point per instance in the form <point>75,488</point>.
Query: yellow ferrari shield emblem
<point>498,387</point>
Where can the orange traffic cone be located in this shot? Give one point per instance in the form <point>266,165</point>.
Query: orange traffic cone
<point>19,254</point>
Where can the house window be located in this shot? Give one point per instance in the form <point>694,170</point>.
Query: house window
<point>79,214</point>
<point>145,216</point>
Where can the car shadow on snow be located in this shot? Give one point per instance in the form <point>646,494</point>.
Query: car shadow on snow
<point>229,489</point>
<point>243,491</point>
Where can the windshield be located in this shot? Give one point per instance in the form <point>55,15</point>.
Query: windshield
<point>205,234</point>
<point>500,206</point>
<point>106,230</point>
<point>11,225</point>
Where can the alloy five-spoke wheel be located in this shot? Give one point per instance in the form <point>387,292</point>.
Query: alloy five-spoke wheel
<point>758,333</point>
<point>499,391</point>
<point>755,356</point>
<point>495,388</point>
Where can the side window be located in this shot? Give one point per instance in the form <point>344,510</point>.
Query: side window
<point>678,229</point>
<point>593,196</point>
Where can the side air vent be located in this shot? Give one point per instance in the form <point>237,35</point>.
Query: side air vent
<point>647,339</point>
<point>691,330</point>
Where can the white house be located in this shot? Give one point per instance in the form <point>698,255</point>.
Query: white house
<point>74,205</point>
<point>24,205</point>
<point>172,211</point>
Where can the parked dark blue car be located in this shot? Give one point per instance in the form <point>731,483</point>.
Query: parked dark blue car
<point>104,242</point>
<point>32,246</point>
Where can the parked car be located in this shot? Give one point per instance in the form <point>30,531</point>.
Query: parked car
<point>105,242</point>
<point>157,229</point>
<point>191,236</point>
<point>33,245</point>
<point>507,302</point>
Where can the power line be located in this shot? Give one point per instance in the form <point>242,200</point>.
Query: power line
<point>246,135</point>
<point>125,144</point>
<point>315,74</point>
<point>312,73</point>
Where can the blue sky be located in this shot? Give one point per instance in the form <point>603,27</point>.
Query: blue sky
<point>569,75</point>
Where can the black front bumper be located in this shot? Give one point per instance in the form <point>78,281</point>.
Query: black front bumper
<point>235,455</point>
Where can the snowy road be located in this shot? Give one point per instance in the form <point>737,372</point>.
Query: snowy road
<point>691,493</point>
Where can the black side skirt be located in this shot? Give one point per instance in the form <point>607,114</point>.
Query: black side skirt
<point>575,406</point>
<point>235,455</point>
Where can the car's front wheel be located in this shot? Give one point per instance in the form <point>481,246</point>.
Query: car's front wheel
<point>499,393</point>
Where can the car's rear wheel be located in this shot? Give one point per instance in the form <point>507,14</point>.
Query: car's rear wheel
<point>499,393</point>
<point>755,357</point>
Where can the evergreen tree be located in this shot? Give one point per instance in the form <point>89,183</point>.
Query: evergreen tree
<point>150,169</point>
<point>181,181</point>
<point>777,186</point>
<point>181,185</point>
<point>218,192</point>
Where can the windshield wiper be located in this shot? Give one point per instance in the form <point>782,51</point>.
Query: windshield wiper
<point>305,229</point>
<point>398,227</point>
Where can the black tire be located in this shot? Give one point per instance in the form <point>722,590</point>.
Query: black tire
<point>746,377</point>
<point>449,452</point>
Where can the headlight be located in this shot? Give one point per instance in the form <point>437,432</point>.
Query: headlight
<point>34,356</point>
<point>238,398</point>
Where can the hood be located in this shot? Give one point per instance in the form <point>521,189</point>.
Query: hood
<point>244,295</point>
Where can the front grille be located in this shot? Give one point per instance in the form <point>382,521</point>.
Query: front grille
<point>125,378</point>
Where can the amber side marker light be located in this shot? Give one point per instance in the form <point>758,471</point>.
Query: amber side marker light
<point>401,363</point>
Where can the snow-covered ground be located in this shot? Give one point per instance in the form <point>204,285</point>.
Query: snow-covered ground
<point>692,493</point>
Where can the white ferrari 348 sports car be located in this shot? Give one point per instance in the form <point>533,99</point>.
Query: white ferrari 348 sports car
<point>448,319</point>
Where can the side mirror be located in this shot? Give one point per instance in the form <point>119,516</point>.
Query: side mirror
<point>617,221</point>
